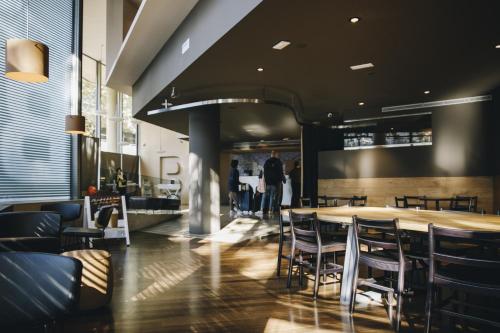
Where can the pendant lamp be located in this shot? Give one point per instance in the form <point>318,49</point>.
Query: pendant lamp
<point>26,60</point>
<point>75,124</point>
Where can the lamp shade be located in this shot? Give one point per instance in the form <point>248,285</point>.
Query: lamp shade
<point>75,124</point>
<point>26,61</point>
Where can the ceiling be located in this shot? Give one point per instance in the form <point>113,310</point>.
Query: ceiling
<point>447,47</point>
<point>240,122</point>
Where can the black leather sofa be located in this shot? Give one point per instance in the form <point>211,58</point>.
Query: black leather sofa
<point>30,232</point>
<point>146,203</point>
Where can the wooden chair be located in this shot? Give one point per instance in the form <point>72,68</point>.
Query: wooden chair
<point>322,201</point>
<point>472,273</point>
<point>400,202</point>
<point>306,202</point>
<point>102,222</point>
<point>464,204</point>
<point>306,238</point>
<point>383,236</point>
<point>415,202</point>
<point>359,201</point>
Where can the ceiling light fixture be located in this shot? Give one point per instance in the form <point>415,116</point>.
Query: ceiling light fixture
<point>260,69</point>
<point>354,19</point>
<point>26,60</point>
<point>361,103</point>
<point>286,139</point>
<point>281,45</point>
<point>497,46</point>
<point>74,124</point>
<point>427,92</point>
<point>362,66</point>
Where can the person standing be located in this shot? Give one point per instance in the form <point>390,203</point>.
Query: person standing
<point>121,182</point>
<point>232,186</point>
<point>273,176</point>
<point>295,176</point>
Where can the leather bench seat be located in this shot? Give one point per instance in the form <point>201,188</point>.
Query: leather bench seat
<point>146,203</point>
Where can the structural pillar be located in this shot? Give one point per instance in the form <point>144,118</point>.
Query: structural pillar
<point>204,194</point>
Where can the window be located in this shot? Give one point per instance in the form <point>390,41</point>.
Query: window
<point>35,154</point>
<point>129,127</point>
<point>89,95</point>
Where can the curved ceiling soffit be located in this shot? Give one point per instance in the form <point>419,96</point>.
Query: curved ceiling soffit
<point>235,95</point>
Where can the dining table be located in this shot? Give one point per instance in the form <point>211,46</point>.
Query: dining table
<point>409,219</point>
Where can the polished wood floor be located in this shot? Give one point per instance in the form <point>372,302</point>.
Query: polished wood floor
<point>176,284</point>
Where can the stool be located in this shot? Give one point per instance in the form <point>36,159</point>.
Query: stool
<point>97,278</point>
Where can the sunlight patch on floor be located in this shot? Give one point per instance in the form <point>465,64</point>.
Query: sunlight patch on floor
<point>279,325</point>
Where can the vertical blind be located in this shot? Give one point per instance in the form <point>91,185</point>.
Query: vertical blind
<point>35,153</point>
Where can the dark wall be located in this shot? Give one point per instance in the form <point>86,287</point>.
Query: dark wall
<point>462,146</point>
<point>314,140</point>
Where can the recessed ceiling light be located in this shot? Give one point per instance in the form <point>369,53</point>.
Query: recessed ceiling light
<point>260,69</point>
<point>361,103</point>
<point>354,19</point>
<point>286,139</point>
<point>427,92</point>
<point>392,128</point>
<point>281,45</point>
<point>261,140</point>
<point>316,123</point>
<point>497,46</point>
<point>362,66</point>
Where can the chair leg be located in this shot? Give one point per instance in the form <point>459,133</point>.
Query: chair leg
<point>290,265</point>
<point>354,288</point>
<point>370,271</point>
<point>428,308</point>
<point>401,288</point>
<point>301,269</point>
<point>398,312</point>
<point>316,277</point>
<point>280,253</point>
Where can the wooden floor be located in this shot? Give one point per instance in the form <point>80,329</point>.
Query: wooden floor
<point>174,284</point>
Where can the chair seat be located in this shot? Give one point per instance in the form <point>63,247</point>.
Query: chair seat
<point>30,244</point>
<point>83,232</point>
<point>463,278</point>
<point>326,247</point>
<point>383,260</point>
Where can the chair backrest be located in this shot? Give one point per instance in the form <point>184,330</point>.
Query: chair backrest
<point>415,201</point>
<point>104,216</point>
<point>359,201</point>
<point>305,227</point>
<point>322,201</point>
<point>69,211</point>
<point>336,201</point>
<point>464,204</point>
<point>383,234</point>
<point>442,248</point>
<point>37,288</point>
<point>30,224</point>
<point>306,202</point>
<point>400,202</point>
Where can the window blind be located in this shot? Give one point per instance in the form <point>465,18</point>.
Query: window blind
<point>35,152</point>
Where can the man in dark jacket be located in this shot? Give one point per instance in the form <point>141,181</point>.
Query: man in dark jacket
<point>295,176</point>
<point>273,176</point>
<point>232,186</point>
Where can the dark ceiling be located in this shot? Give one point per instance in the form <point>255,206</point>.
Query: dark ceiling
<point>446,46</point>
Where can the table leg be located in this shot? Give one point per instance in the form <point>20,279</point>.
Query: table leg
<point>350,269</point>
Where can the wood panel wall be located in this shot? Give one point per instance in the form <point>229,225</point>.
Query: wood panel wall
<point>381,191</point>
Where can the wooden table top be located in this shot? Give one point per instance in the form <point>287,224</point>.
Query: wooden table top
<point>409,219</point>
